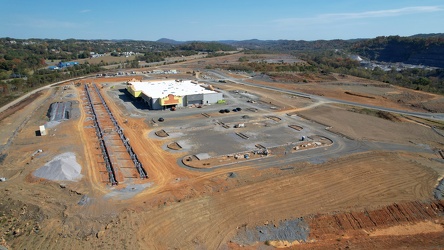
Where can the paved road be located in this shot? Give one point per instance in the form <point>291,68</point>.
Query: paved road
<point>435,116</point>
<point>21,98</point>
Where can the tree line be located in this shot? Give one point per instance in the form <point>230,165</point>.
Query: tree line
<point>332,61</point>
<point>23,61</point>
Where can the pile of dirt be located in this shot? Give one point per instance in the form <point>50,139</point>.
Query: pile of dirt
<point>360,95</point>
<point>161,133</point>
<point>63,167</point>
<point>174,146</point>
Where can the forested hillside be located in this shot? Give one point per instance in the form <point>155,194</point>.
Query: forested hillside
<point>417,50</point>
<point>23,61</point>
<point>24,56</point>
<point>292,45</point>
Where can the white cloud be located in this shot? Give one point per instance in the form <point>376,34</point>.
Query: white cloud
<point>85,11</point>
<point>384,13</point>
<point>326,18</point>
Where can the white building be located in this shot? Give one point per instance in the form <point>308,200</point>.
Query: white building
<point>164,94</point>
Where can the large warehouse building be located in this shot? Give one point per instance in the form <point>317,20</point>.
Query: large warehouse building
<point>164,94</point>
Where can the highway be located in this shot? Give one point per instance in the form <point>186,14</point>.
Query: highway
<point>434,116</point>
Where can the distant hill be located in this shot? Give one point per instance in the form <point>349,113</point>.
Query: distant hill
<point>273,45</point>
<point>169,41</point>
<point>428,35</point>
<point>292,45</point>
<point>420,49</point>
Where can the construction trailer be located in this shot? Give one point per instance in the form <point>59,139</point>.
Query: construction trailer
<point>42,130</point>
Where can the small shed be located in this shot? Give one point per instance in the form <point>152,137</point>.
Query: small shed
<point>43,130</point>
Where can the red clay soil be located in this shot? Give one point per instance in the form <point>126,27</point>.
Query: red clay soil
<point>392,215</point>
<point>111,79</point>
<point>415,224</point>
<point>360,228</point>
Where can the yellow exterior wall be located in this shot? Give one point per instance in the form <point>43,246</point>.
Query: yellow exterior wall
<point>133,92</point>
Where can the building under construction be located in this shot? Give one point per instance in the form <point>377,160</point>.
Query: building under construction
<point>165,94</point>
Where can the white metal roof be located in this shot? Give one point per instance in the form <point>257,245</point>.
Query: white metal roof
<point>162,88</point>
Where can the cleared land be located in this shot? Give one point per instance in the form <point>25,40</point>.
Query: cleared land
<point>371,186</point>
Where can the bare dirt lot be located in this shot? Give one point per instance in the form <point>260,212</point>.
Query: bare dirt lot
<point>366,127</point>
<point>373,187</point>
<point>369,92</point>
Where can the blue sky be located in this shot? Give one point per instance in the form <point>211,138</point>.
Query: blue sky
<point>219,20</point>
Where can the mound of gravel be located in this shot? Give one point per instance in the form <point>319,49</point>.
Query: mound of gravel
<point>52,124</point>
<point>439,190</point>
<point>63,167</point>
<point>289,230</point>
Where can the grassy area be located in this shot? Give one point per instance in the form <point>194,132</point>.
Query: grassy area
<point>7,99</point>
<point>428,122</point>
<point>377,113</point>
<point>397,117</point>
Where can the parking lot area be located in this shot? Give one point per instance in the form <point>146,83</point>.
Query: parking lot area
<point>235,133</point>
<point>242,123</point>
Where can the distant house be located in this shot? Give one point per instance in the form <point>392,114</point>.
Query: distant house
<point>53,68</point>
<point>128,54</point>
<point>66,64</point>
<point>158,71</point>
<point>95,55</point>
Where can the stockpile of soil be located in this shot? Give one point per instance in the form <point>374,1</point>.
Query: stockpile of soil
<point>174,146</point>
<point>161,133</point>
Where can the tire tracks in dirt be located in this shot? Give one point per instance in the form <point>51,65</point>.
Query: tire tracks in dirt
<point>266,200</point>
